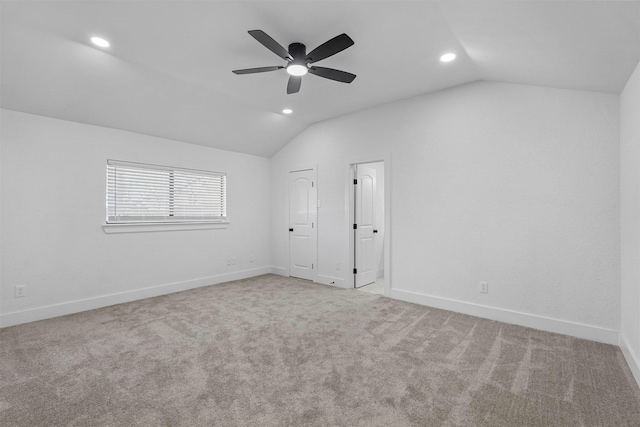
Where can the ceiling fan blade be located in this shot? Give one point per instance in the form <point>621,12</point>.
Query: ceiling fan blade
<point>271,44</point>
<point>257,70</point>
<point>329,48</point>
<point>294,84</point>
<point>330,73</point>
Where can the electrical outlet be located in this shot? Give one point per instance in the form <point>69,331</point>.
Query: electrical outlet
<point>251,259</point>
<point>229,261</point>
<point>20,291</point>
<point>337,266</point>
<point>484,287</point>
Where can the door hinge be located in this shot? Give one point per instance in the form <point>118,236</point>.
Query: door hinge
<point>312,183</point>
<point>355,271</point>
<point>312,266</point>
<point>355,181</point>
<point>355,226</point>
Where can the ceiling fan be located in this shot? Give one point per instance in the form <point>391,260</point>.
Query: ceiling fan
<point>299,62</point>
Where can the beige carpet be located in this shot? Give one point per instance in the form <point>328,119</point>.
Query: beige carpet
<point>273,351</point>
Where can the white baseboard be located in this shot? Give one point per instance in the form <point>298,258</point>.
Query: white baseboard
<point>280,271</point>
<point>579,330</point>
<point>62,309</point>
<point>338,282</point>
<point>631,357</point>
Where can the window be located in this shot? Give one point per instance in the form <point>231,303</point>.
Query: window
<point>140,193</point>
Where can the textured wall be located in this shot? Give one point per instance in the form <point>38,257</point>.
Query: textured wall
<point>630,210</point>
<point>510,184</point>
<point>53,207</point>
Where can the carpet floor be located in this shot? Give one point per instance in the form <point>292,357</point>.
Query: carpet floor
<point>275,351</point>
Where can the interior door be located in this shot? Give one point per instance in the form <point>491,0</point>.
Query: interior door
<point>302,224</point>
<point>365,223</point>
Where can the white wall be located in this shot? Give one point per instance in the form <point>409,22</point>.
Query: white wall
<point>53,207</point>
<point>1,204</point>
<point>630,220</point>
<point>510,184</point>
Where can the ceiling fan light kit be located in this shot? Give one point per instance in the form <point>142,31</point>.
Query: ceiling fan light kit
<point>299,62</point>
<point>297,69</point>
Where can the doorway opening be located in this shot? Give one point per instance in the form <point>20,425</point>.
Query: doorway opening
<point>368,233</point>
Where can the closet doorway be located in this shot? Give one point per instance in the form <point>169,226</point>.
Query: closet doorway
<point>368,226</point>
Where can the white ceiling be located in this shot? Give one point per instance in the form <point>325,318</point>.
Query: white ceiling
<point>168,70</point>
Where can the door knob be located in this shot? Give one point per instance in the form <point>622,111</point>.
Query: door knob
<point>375,231</point>
<point>291,229</point>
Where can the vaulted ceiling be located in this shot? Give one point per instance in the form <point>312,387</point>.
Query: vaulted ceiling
<point>168,72</point>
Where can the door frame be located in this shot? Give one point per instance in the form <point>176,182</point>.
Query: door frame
<point>314,168</point>
<point>350,213</point>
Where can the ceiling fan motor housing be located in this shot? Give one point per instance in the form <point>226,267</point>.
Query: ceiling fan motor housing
<point>298,51</point>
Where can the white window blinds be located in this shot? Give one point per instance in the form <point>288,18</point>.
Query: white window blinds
<point>138,193</point>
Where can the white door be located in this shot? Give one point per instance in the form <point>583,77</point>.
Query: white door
<point>365,226</point>
<point>302,224</point>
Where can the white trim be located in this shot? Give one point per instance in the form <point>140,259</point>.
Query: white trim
<point>313,167</point>
<point>280,271</point>
<point>579,330</point>
<point>149,227</point>
<point>632,359</point>
<point>62,309</point>
<point>338,282</point>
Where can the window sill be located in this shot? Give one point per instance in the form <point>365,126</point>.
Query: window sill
<point>151,227</point>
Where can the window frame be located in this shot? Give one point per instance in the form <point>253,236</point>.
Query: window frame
<point>141,223</point>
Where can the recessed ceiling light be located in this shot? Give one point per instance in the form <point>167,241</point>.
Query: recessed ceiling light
<point>287,111</point>
<point>99,41</point>
<point>448,57</point>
